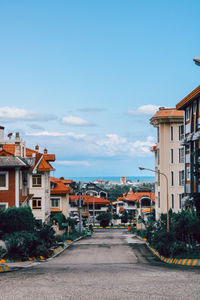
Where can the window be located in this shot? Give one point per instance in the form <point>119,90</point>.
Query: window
<point>172,156</point>
<point>188,173</point>
<point>36,180</point>
<point>3,205</point>
<point>55,202</point>
<point>181,178</point>
<point>158,134</point>
<point>158,156</point>
<point>37,203</point>
<point>158,178</point>
<point>180,132</point>
<point>172,178</point>
<point>158,199</point>
<point>171,133</point>
<point>181,155</point>
<point>172,200</point>
<point>180,201</point>
<point>187,114</point>
<point>4,180</point>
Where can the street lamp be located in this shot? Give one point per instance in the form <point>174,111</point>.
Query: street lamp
<point>142,168</point>
<point>197,60</point>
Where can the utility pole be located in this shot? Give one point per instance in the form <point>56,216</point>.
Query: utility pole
<point>79,208</point>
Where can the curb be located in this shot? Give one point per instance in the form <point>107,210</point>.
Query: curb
<point>4,268</point>
<point>56,252</point>
<point>189,262</point>
<point>111,227</point>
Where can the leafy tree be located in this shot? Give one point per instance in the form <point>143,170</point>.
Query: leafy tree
<point>124,217</point>
<point>104,218</point>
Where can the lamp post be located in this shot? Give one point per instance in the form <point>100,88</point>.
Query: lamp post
<point>91,187</point>
<point>142,168</point>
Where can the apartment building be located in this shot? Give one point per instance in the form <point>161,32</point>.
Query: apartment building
<point>190,105</point>
<point>169,159</point>
<point>24,176</point>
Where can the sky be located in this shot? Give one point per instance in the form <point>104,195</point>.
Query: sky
<point>83,78</point>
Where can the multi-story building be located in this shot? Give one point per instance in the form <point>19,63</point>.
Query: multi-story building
<point>24,176</point>
<point>60,190</point>
<point>191,107</point>
<point>169,159</point>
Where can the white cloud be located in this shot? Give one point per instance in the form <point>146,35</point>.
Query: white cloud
<point>148,109</point>
<point>73,162</point>
<point>19,114</point>
<point>57,134</point>
<point>75,121</point>
<point>113,145</point>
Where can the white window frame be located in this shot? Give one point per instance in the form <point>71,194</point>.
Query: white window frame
<point>4,188</point>
<point>4,203</point>
<point>180,134</point>
<point>58,198</point>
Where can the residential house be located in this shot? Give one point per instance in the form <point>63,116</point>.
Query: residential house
<point>24,176</point>
<point>88,204</point>
<point>169,159</point>
<point>190,106</point>
<point>139,204</point>
<point>60,190</point>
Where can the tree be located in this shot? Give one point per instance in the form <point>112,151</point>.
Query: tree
<point>104,218</point>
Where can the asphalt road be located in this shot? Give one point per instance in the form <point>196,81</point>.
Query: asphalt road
<point>110,265</point>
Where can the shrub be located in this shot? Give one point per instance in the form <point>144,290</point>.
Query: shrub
<point>3,252</point>
<point>16,219</point>
<point>104,218</point>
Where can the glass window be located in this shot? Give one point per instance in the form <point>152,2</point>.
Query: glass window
<point>180,200</point>
<point>181,178</point>
<point>188,173</point>
<point>4,180</point>
<point>172,199</point>
<point>171,133</point>
<point>181,132</point>
<point>158,178</point>
<point>37,203</point>
<point>158,134</point>
<point>158,156</point>
<point>172,156</point>
<point>187,114</point>
<point>36,180</point>
<point>158,199</point>
<point>55,202</point>
<point>181,155</point>
<point>172,178</point>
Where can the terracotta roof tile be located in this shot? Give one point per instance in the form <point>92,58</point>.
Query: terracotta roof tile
<point>188,98</point>
<point>89,199</point>
<point>168,113</point>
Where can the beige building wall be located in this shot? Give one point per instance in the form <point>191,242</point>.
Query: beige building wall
<point>169,159</point>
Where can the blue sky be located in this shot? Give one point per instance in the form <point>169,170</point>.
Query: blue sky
<point>82,78</point>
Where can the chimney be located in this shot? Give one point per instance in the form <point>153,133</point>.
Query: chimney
<point>45,151</point>
<point>17,145</point>
<point>1,133</point>
<point>37,148</point>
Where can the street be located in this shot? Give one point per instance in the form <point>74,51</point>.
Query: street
<point>113,264</point>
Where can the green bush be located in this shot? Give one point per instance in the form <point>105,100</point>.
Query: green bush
<point>16,219</point>
<point>3,252</point>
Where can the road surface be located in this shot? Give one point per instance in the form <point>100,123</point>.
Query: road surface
<point>112,264</point>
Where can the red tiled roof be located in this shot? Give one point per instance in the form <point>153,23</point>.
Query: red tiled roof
<point>188,98</point>
<point>5,153</point>
<point>164,113</point>
<point>60,188</point>
<point>135,197</point>
<point>89,199</point>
